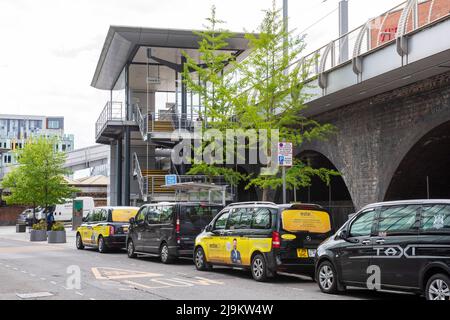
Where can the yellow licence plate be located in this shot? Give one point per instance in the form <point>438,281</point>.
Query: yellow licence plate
<point>302,253</point>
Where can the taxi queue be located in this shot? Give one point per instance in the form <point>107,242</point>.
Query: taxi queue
<point>263,237</point>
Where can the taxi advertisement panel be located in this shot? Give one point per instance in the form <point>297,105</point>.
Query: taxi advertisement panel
<point>306,220</point>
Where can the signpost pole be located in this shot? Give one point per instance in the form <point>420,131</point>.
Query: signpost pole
<point>284,183</point>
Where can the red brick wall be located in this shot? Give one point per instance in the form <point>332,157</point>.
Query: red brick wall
<point>8,215</point>
<point>384,29</point>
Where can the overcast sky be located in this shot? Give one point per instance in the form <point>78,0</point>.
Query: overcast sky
<point>49,48</point>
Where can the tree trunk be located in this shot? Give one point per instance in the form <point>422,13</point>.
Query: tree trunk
<point>265,194</point>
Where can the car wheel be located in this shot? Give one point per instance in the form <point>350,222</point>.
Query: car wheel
<point>164,254</point>
<point>326,278</point>
<point>102,248</point>
<point>79,242</point>
<point>438,287</point>
<point>130,249</point>
<point>259,268</point>
<point>200,260</point>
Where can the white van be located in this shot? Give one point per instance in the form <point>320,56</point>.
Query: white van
<point>64,212</point>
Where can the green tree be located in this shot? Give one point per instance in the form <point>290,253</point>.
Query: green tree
<point>276,99</point>
<point>262,92</point>
<point>38,180</point>
<point>211,76</point>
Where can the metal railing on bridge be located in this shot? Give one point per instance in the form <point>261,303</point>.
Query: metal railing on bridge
<point>393,25</point>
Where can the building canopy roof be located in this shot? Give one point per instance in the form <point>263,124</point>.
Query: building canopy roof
<point>122,43</point>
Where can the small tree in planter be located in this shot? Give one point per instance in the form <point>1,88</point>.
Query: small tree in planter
<point>57,234</point>
<point>39,231</point>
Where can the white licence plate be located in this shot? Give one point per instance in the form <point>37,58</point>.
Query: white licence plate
<point>312,253</point>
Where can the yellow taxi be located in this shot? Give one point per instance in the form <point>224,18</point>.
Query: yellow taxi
<point>264,237</point>
<point>105,228</point>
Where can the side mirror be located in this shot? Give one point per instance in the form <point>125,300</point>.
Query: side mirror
<point>208,228</point>
<point>132,221</point>
<point>343,234</point>
<point>83,219</point>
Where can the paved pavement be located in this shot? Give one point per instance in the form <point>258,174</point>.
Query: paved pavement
<point>30,270</point>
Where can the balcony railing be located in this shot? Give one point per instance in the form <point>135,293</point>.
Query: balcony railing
<point>113,111</point>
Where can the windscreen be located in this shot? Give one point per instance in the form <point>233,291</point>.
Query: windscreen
<point>313,221</point>
<point>123,214</point>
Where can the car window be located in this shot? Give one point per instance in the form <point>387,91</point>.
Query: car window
<point>435,219</point>
<point>166,214</point>
<point>199,215</point>
<point>246,218</point>
<point>140,216</point>
<point>235,217</point>
<point>104,215</point>
<point>221,221</point>
<point>153,214</point>
<point>96,215</point>
<point>394,220</point>
<point>262,219</point>
<point>362,225</point>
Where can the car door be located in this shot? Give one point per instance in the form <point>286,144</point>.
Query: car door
<point>98,228</point>
<point>215,243</point>
<point>91,220</point>
<point>433,244</point>
<point>165,229</point>
<point>237,236</point>
<point>150,235</point>
<point>138,229</point>
<point>356,250</point>
<point>397,229</point>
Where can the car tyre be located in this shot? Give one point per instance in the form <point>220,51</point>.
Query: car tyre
<point>259,268</point>
<point>200,261</point>
<point>102,248</point>
<point>326,278</point>
<point>79,242</point>
<point>164,254</point>
<point>438,287</point>
<point>131,251</point>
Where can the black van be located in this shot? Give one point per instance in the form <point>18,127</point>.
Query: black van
<point>399,245</point>
<point>264,237</point>
<point>168,229</point>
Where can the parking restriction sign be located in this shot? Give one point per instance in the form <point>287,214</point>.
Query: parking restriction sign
<point>285,154</point>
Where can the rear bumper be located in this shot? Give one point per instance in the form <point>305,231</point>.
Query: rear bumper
<point>298,266</point>
<point>181,251</point>
<point>116,241</point>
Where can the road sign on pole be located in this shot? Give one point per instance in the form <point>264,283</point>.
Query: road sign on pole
<point>285,154</point>
<point>171,179</point>
<point>284,160</point>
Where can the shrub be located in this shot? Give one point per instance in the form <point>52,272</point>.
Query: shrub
<point>41,225</point>
<point>58,226</point>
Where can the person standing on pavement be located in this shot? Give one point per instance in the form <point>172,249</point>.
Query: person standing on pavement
<point>50,220</point>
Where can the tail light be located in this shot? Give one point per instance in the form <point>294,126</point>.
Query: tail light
<point>111,230</point>
<point>276,242</point>
<point>177,227</point>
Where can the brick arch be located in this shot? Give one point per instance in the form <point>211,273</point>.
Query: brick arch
<point>426,153</point>
<point>330,160</point>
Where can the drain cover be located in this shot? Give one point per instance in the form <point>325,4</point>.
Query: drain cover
<point>34,295</point>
